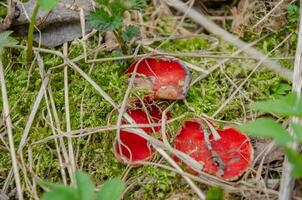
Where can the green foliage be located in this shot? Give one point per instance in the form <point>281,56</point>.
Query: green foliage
<point>289,105</point>
<point>293,13</point>
<point>268,128</point>
<point>109,17</point>
<point>281,89</point>
<point>111,190</point>
<point>6,40</point>
<point>292,17</point>
<point>61,193</point>
<point>215,194</point>
<point>103,21</point>
<point>296,159</point>
<point>47,4</point>
<point>85,186</point>
<point>130,33</point>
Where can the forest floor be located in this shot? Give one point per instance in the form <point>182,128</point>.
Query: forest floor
<point>223,96</point>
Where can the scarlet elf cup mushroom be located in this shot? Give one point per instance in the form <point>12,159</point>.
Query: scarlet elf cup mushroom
<point>227,157</point>
<point>131,147</point>
<point>166,77</point>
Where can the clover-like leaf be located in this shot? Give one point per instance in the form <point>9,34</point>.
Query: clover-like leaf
<point>103,21</point>
<point>130,33</point>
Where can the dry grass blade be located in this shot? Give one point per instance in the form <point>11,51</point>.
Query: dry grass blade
<point>6,114</point>
<point>53,128</point>
<point>28,126</point>
<point>67,115</point>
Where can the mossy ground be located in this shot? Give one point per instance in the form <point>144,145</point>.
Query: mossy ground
<point>89,109</point>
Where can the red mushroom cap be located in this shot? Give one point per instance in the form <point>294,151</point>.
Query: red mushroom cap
<point>234,149</point>
<point>167,78</point>
<point>133,147</point>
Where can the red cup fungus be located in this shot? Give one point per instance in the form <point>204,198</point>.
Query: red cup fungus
<point>233,150</point>
<point>133,147</point>
<point>166,77</point>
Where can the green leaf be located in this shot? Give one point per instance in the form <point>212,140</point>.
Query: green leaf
<point>215,194</point>
<point>135,4</point>
<point>296,160</point>
<point>103,21</point>
<point>298,130</point>
<point>85,186</point>
<point>61,193</point>
<point>111,190</point>
<point>130,33</point>
<point>288,105</point>
<point>48,4</point>
<point>50,185</point>
<point>6,40</point>
<point>267,128</point>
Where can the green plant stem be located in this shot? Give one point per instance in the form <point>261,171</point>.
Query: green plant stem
<point>29,51</point>
<point>121,42</point>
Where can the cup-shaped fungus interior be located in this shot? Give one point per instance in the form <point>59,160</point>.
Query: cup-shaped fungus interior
<point>129,146</point>
<point>166,78</point>
<point>233,150</point>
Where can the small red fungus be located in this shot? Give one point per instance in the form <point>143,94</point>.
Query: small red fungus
<point>134,148</point>
<point>233,149</point>
<point>168,78</point>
